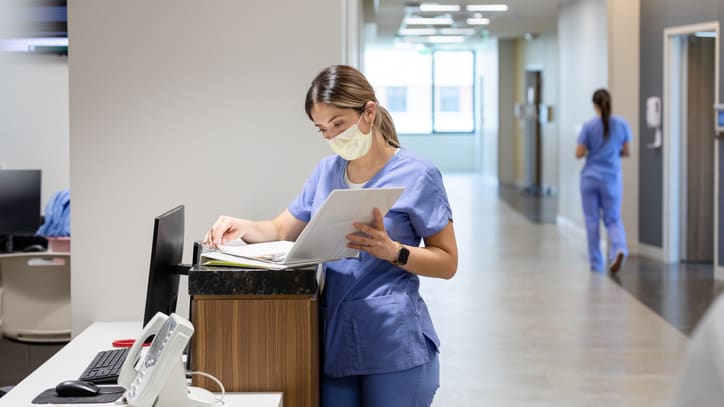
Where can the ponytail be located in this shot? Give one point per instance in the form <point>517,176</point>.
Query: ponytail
<point>602,99</point>
<point>386,126</point>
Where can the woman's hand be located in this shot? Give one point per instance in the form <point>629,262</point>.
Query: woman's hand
<point>374,239</point>
<point>226,228</point>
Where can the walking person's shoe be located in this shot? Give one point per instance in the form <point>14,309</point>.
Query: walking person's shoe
<point>617,263</point>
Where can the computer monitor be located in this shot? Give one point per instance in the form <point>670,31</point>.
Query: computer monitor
<point>19,204</point>
<point>166,254</point>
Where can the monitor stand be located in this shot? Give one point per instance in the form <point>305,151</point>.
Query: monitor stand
<point>6,246</point>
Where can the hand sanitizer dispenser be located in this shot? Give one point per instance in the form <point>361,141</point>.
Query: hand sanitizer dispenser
<point>653,119</point>
<point>719,119</point>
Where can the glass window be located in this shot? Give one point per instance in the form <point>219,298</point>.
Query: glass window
<point>407,69</point>
<point>449,99</point>
<point>453,80</point>
<point>425,91</point>
<point>396,98</point>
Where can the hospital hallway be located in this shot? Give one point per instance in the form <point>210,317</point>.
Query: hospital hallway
<point>525,323</point>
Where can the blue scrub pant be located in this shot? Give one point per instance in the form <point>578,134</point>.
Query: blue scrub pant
<point>413,387</point>
<point>603,195</point>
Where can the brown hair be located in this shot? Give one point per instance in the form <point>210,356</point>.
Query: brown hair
<point>602,99</point>
<point>346,88</point>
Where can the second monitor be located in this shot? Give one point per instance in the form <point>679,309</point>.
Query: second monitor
<point>166,254</point>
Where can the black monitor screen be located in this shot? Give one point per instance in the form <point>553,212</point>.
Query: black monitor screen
<point>166,254</point>
<point>19,202</point>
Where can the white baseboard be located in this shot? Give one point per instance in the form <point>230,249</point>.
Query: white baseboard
<point>576,231</point>
<point>652,252</point>
<point>718,273</point>
<point>571,228</point>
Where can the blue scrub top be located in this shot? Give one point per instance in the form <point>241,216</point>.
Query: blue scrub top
<point>604,155</point>
<point>373,317</point>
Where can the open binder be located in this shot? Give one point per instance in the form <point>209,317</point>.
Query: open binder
<point>322,240</point>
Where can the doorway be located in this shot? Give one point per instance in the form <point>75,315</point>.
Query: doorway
<point>690,153</point>
<point>697,142</point>
<point>534,143</point>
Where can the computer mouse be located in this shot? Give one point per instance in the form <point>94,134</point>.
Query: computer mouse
<point>34,248</point>
<point>76,388</point>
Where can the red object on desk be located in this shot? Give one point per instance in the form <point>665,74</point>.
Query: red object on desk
<point>126,343</point>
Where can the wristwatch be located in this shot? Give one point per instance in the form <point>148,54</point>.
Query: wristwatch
<point>402,256</point>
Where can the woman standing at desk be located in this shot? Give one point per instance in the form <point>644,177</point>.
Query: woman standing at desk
<point>380,347</point>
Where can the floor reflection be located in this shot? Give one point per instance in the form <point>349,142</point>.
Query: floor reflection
<point>679,293</point>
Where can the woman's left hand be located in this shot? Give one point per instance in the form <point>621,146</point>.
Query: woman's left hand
<point>374,239</point>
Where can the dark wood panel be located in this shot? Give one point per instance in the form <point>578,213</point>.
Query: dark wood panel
<point>259,345</point>
<point>700,151</point>
<point>534,146</point>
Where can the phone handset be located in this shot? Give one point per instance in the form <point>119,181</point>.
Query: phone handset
<point>128,371</point>
<point>160,380</point>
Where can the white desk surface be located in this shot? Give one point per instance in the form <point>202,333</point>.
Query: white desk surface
<point>73,358</point>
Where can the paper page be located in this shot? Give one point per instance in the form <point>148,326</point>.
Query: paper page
<point>269,251</point>
<point>324,236</point>
<point>222,259</point>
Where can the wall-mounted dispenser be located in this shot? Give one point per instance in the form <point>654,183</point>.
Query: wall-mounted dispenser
<point>653,119</point>
<point>719,120</point>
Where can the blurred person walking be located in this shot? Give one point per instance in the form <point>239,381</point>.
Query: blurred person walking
<point>603,140</point>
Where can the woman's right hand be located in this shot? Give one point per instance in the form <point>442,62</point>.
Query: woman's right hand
<point>226,228</point>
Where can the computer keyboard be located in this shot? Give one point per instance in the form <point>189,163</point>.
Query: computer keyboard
<point>105,366</point>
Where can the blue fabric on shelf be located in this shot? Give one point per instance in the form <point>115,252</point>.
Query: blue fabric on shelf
<point>57,216</point>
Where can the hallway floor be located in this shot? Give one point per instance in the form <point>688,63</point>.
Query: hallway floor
<point>525,323</point>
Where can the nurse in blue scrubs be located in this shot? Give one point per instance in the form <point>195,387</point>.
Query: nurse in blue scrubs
<point>380,346</point>
<point>603,141</point>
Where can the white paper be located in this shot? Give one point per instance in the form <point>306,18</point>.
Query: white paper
<point>323,239</point>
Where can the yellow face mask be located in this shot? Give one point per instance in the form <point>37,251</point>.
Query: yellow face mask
<point>351,144</point>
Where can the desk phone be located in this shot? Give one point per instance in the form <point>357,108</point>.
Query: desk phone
<point>158,379</point>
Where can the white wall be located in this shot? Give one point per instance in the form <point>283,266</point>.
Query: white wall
<point>623,78</point>
<point>583,56</point>
<point>34,117</point>
<point>487,106</point>
<point>184,102</point>
<point>507,122</point>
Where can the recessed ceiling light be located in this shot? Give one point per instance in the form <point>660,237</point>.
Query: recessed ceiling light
<point>417,31</point>
<point>428,20</point>
<point>441,39</point>
<point>478,21</point>
<point>439,7</point>
<point>457,31</point>
<point>487,7</point>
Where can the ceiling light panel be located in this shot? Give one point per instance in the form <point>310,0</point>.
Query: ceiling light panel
<point>478,21</point>
<point>417,31</point>
<point>428,20</point>
<point>456,31</point>
<point>439,8</point>
<point>487,7</point>
<point>446,39</point>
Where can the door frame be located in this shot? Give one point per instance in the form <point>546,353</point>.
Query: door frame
<point>672,141</point>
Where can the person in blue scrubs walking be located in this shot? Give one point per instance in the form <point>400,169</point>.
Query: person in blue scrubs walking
<point>380,346</point>
<point>603,141</point>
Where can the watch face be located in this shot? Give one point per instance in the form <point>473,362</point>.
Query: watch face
<point>402,256</point>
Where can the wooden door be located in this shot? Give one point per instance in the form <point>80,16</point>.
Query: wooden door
<point>699,169</point>
<point>534,147</point>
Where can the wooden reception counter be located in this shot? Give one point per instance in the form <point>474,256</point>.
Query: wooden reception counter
<point>257,331</point>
